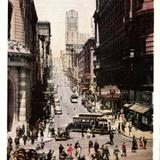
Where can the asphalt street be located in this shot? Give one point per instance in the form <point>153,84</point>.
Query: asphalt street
<point>71,109</point>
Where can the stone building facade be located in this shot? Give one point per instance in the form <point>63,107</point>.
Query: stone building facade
<point>21,50</point>
<point>124,40</point>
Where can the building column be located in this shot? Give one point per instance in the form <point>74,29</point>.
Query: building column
<point>22,97</point>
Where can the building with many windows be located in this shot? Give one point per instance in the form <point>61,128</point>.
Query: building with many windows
<point>86,66</point>
<point>74,40</point>
<point>124,50</point>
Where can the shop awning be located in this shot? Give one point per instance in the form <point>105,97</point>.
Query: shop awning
<point>127,105</point>
<point>139,108</point>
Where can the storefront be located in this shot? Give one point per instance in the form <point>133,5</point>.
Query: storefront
<point>143,115</point>
<point>111,98</point>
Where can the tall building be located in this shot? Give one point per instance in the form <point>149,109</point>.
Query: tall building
<point>86,65</point>
<point>71,33</point>
<point>74,42</point>
<point>21,50</point>
<point>71,36</point>
<point>124,40</point>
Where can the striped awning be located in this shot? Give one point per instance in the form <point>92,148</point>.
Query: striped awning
<point>139,108</point>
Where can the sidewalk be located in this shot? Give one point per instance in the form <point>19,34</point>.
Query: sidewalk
<point>46,138</point>
<point>28,145</point>
<point>136,132</point>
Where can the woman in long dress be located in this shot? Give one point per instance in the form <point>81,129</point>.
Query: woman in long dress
<point>88,133</point>
<point>134,144</point>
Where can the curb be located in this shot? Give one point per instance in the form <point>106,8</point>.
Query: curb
<point>45,140</point>
<point>136,138</point>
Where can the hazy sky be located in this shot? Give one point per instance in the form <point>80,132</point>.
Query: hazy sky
<point>54,11</point>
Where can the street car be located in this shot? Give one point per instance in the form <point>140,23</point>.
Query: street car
<point>100,122</point>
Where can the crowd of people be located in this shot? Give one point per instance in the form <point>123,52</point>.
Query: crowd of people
<point>30,134</point>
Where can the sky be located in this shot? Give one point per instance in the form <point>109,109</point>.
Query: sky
<point>54,11</point>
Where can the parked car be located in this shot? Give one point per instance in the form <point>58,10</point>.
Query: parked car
<point>58,109</point>
<point>74,98</point>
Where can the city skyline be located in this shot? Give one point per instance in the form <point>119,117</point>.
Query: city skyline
<point>55,13</point>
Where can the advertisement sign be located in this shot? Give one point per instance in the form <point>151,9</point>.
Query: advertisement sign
<point>110,92</point>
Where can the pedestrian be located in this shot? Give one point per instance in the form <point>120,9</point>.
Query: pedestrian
<point>49,131</point>
<point>76,145</point>
<point>88,133</point>
<point>28,132</point>
<point>52,131</point>
<point>116,153</point>
<point>32,138</point>
<point>106,153</point>
<point>42,144</point>
<point>42,156</point>
<point>111,136</point>
<point>96,146</point>
<point>23,129</point>
<point>93,130</point>
<point>41,133</point>
<point>9,150</point>
<point>78,152</point>
<point>17,131</point>
<point>16,141</point>
<point>92,154</point>
<point>90,145</point>
<point>134,144</point>
<point>24,139</point>
<point>124,150</point>
<point>70,150</point>
<point>61,148</point>
<point>101,152</point>
<point>20,132</point>
<point>49,155</point>
<point>141,144</point>
<point>144,142</point>
<point>82,131</point>
<point>130,127</point>
<point>10,141</point>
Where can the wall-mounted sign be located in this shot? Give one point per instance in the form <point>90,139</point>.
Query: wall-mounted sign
<point>110,91</point>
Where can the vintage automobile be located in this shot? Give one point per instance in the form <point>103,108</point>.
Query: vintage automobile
<point>74,98</point>
<point>58,109</point>
<point>62,134</point>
